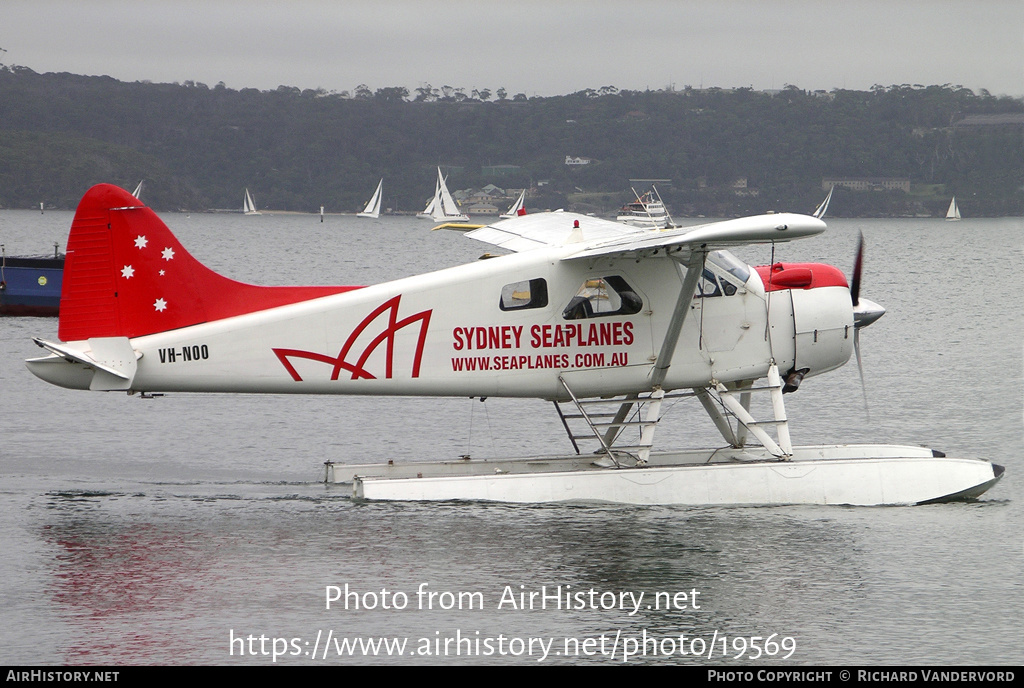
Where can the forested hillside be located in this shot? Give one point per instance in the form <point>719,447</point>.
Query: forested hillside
<point>199,147</point>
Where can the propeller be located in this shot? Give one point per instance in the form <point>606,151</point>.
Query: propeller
<point>858,266</point>
<point>865,312</point>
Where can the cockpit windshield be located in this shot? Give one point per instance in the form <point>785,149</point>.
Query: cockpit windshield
<point>728,263</point>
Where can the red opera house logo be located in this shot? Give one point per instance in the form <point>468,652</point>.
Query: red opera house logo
<point>357,369</point>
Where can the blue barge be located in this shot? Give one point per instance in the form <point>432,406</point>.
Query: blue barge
<point>30,285</point>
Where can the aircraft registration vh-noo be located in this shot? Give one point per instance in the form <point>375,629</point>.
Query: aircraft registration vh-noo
<point>606,321</point>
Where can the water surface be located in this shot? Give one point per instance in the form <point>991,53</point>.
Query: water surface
<point>154,531</point>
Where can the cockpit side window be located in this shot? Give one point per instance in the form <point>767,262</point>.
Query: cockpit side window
<point>708,285</point>
<point>729,275</point>
<point>525,294</point>
<point>602,297</point>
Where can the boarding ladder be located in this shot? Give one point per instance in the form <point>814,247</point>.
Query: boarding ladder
<point>609,422</point>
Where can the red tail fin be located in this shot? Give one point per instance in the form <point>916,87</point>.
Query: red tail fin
<point>127,275</point>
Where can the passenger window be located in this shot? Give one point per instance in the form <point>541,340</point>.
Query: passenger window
<point>526,294</point>
<point>601,297</point>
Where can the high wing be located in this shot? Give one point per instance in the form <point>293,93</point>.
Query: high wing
<point>538,230</point>
<point>597,237</point>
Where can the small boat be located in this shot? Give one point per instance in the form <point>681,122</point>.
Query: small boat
<point>954,211</point>
<point>138,190</point>
<point>248,207</point>
<point>372,208</point>
<point>647,212</point>
<point>820,211</point>
<point>516,209</point>
<point>31,285</point>
<point>445,207</point>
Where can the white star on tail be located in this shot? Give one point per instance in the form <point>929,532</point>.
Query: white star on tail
<point>140,241</point>
<point>168,253</point>
<point>128,271</point>
<point>160,305</point>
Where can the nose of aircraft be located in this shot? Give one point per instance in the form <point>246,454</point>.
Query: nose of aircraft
<point>866,312</point>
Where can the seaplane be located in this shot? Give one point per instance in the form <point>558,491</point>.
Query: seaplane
<point>605,321</point>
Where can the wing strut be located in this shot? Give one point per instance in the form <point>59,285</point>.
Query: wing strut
<point>694,267</point>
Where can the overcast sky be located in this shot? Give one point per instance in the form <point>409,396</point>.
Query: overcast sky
<point>537,47</point>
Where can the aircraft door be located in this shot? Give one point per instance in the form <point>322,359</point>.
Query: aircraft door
<point>718,312</point>
<point>731,320</point>
<point>604,325</point>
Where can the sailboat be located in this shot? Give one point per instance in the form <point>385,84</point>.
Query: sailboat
<point>819,212</point>
<point>138,190</point>
<point>517,208</point>
<point>445,207</point>
<point>372,208</point>
<point>248,207</point>
<point>954,211</point>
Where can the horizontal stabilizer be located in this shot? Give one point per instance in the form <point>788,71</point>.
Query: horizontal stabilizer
<point>112,358</point>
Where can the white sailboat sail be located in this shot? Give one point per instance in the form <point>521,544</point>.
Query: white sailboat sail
<point>953,213</point>
<point>517,208</point>
<point>372,208</point>
<point>437,214</point>
<point>819,212</point>
<point>138,190</point>
<point>248,207</point>
<point>445,207</point>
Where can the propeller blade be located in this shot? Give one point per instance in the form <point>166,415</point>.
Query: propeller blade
<point>858,263</point>
<point>863,315</point>
<point>860,369</point>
